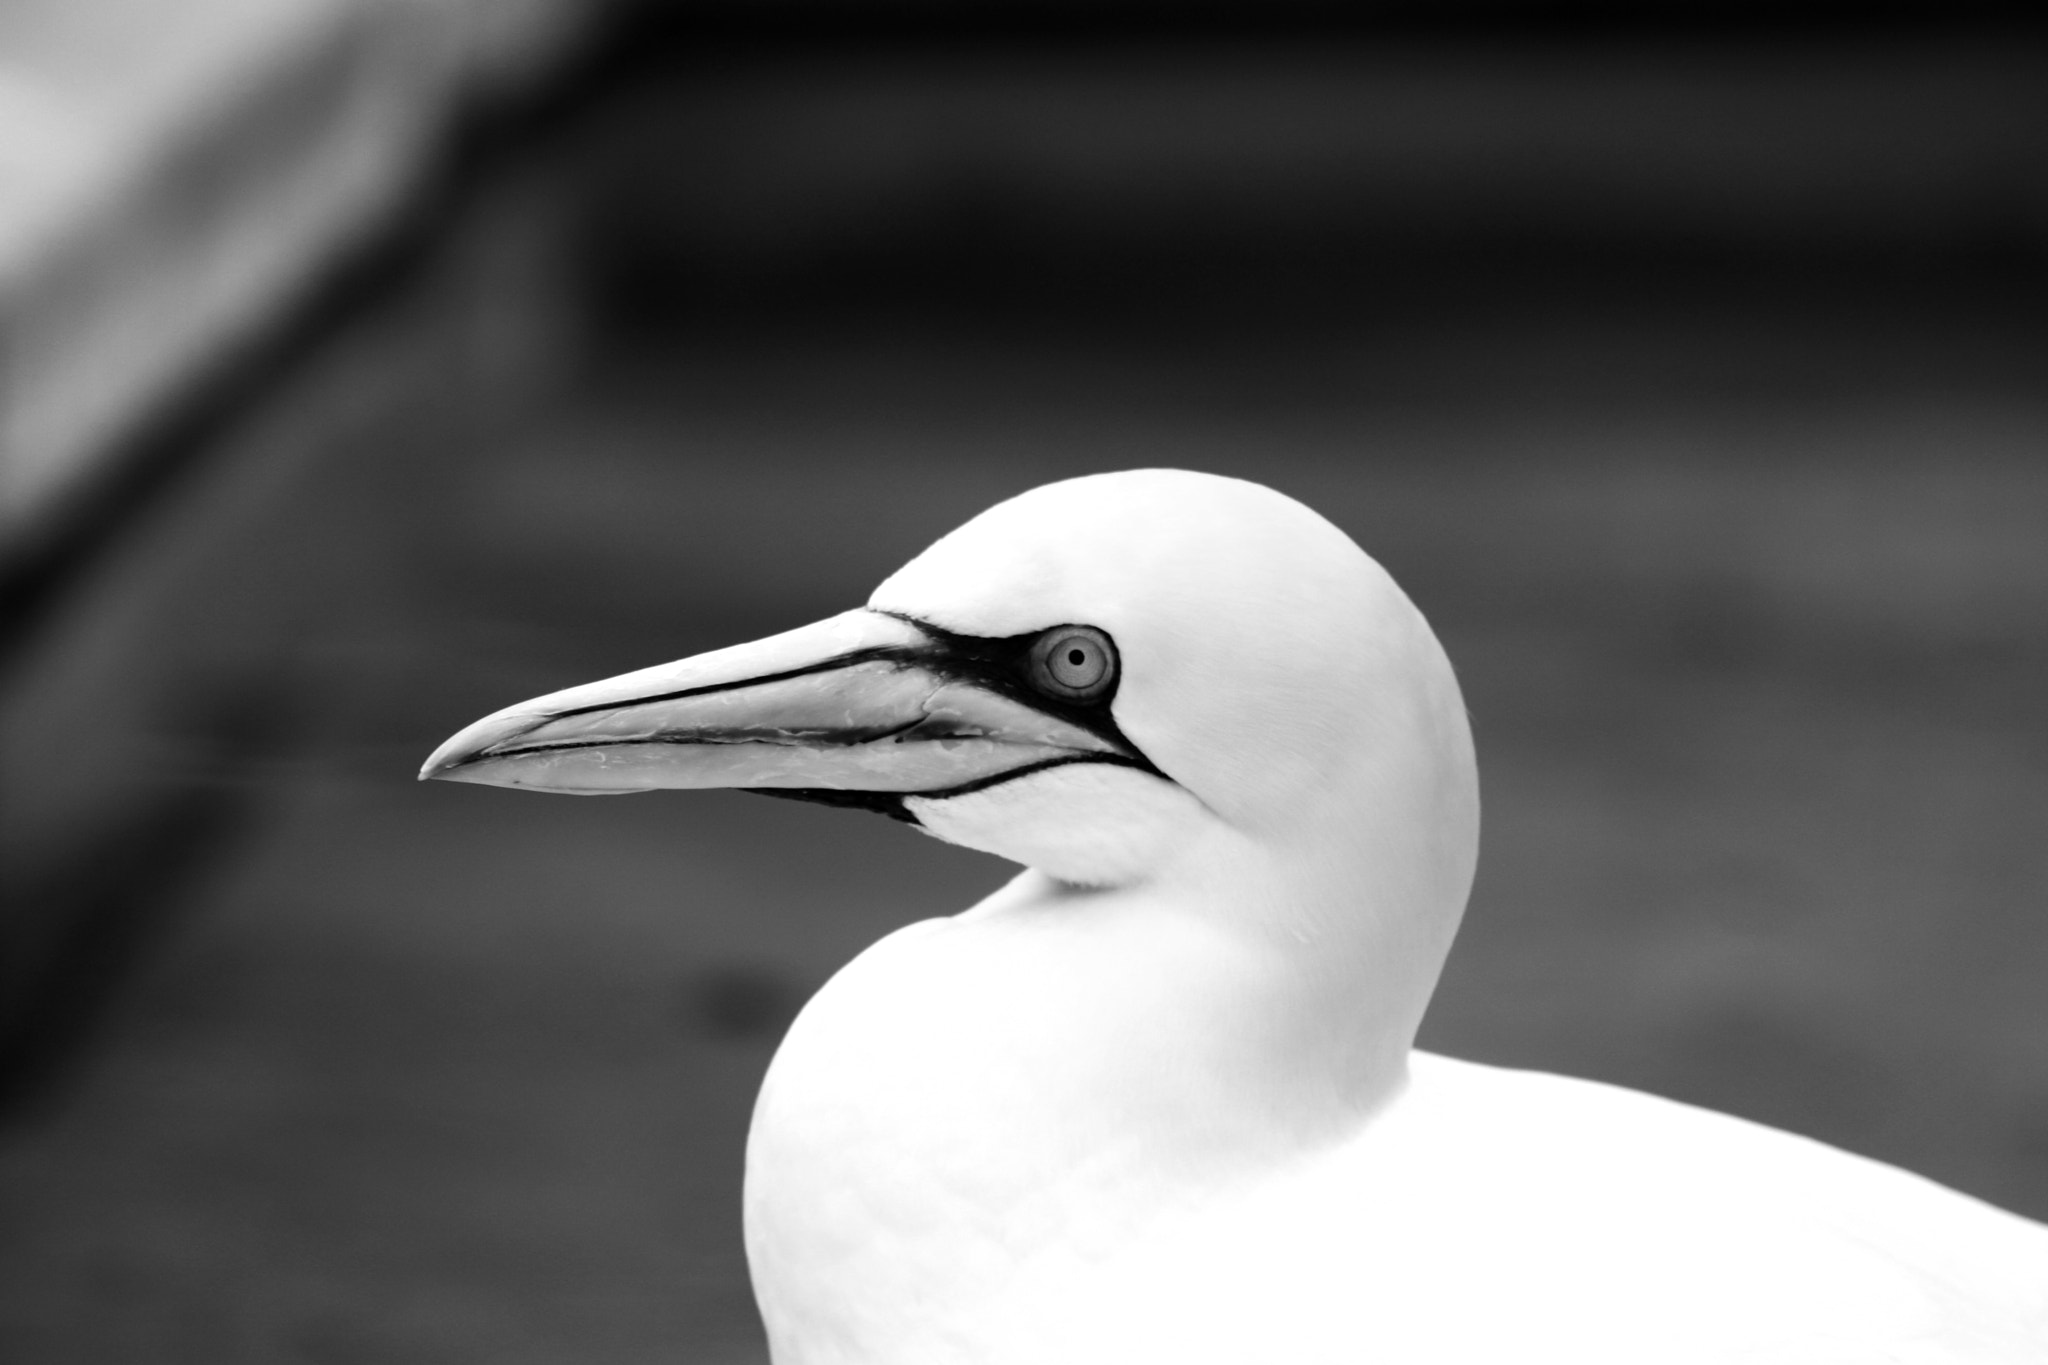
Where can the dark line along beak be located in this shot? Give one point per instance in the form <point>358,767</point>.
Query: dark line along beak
<point>860,709</point>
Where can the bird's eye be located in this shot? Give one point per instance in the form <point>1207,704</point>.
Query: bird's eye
<point>1077,663</point>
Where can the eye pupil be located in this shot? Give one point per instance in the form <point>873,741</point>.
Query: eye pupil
<point>1077,657</point>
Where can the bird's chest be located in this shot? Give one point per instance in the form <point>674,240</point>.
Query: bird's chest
<point>934,1156</point>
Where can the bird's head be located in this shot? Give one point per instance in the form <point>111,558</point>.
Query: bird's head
<point>1113,679</point>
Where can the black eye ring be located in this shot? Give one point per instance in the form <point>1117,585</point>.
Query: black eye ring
<point>1074,663</point>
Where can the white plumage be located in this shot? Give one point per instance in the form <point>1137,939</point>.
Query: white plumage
<point>1156,1099</point>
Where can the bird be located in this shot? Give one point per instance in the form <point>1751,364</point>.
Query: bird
<point>1157,1097</point>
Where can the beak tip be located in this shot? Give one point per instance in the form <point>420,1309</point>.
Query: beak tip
<point>436,767</point>
<point>470,743</point>
<point>461,767</point>
<point>446,758</point>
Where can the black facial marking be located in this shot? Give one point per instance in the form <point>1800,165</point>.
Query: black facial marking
<point>1003,665</point>
<point>982,784</point>
<point>881,803</point>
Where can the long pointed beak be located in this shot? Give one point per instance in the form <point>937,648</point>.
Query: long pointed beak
<point>858,703</point>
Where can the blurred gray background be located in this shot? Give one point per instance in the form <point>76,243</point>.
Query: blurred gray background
<point>1689,368</point>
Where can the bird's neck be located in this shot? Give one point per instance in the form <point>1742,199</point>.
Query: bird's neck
<point>978,1103</point>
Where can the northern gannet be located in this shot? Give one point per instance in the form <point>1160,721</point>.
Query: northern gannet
<point>1156,1099</point>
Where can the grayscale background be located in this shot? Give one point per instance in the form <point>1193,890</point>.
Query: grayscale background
<point>1687,364</point>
